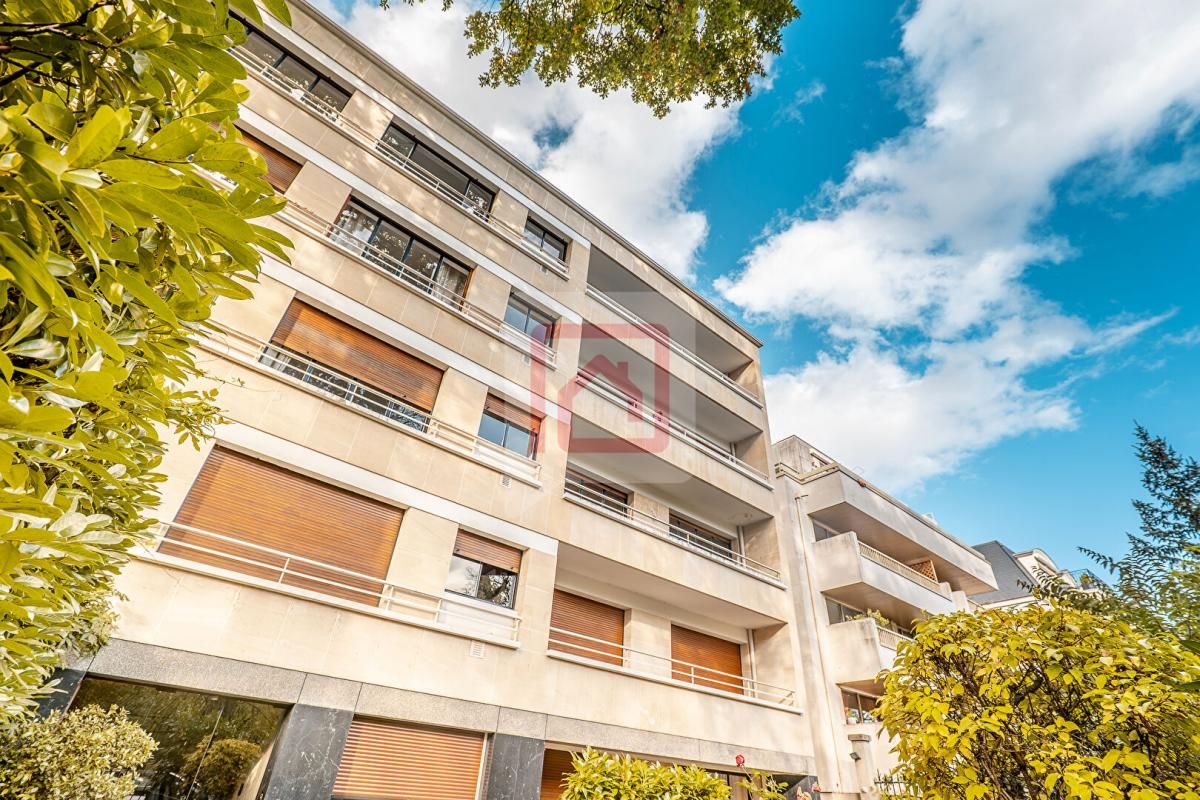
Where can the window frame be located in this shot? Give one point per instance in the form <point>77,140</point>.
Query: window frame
<point>420,147</point>
<point>516,576</point>
<point>528,310</point>
<point>508,426</point>
<point>540,233</point>
<point>606,490</point>
<point>286,54</point>
<point>677,520</point>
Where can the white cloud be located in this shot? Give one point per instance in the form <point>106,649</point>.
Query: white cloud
<point>927,240</point>
<point>610,154</point>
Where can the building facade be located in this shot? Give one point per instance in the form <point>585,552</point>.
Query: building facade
<point>1018,574</point>
<point>863,568</point>
<point>494,487</point>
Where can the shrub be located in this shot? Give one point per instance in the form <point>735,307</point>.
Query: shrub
<point>88,754</point>
<point>216,772</point>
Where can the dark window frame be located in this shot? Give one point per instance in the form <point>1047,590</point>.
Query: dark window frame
<point>528,310</point>
<point>484,566</point>
<point>854,710</point>
<point>619,496</point>
<point>508,426</point>
<point>727,544</point>
<point>537,234</point>
<point>419,146</point>
<point>286,54</point>
<point>444,259</point>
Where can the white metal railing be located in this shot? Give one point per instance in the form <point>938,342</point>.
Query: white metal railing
<point>307,221</point>
<point>891,639</point>
<point>331,384</point>
<point>675,347</point>
<point>291,88</point>
<point>886,561</point>
<point>286,84</point>
<point>663,529</point>
<point>690,436</point>
<point>293,572</point>
<point>640,662</point>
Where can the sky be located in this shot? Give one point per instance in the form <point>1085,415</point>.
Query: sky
<point>967,232</point>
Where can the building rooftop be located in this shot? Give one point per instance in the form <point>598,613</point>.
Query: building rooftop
<point>1013,581</point>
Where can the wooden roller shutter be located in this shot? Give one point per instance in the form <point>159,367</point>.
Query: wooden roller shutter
<point>343,347</point>
<point>588,618</point>
<point>506,411</point>
<point>408,762</point>
<point>718,663</point>
<point>281,170</point>
<point>261,504</point>
<point>556,765</point>
<point>487,551</point>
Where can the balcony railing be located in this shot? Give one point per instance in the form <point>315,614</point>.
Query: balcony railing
<point>297,91</point>
<point>689,436</point>
<point>595,501</point>
<point>321,379</point>
<point>684,673</point>
<point>891,639</point>
<point>675,347</point>
<point>300,94</point>
<point>887,562</point>
<point>306,221</point>
<point>305,576</point>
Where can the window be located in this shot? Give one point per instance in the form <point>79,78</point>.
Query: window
<point>484,569</point>
<point>687,531</point>
<point>416,262</point>
<point>822,533</point>
<point>706,660</point>
<point>208,746</point>
<point>540,237</point>
<point>415,762</point>
<point>509,427</point>
<point>281,169</point>
<point>859,707</point>
<point>597,491</point>
<point>524,317</point>
<point>403,147</point>
<point>297,75</point>
<point>587,628</point>
<point>840,612</point>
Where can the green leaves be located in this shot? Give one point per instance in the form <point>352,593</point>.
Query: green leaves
<point>114,245</point>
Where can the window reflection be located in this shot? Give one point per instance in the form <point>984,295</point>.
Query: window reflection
<point>209,747</point>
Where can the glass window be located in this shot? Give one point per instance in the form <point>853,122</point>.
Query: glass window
<point>262,48</point>
<point>423,258</point>
<point>859,708</point>
<point>302,75</point>
<point>537,234</point>
<point>529,320</point>
<point>391,241</point>
<point>355,224</point>
<point>479,198</point>
<point>688,531</point>
<point>507,434</point>
<point>452,278</point>
<point>330,94</point>
<point>398,144</point>
<point>209,747</point>
<point>482,581</point>
<point>439,169</point>
<point>597,491</point>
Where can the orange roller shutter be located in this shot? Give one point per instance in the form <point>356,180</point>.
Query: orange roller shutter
<point>262,504</point>
<point>391,761</point>
<point>487,551</point>
<point>343,347</point>
<point>578,617</point>
<point>556,765</point>
<point>281,170</point>
<point>718,663</point>
<point>507,411</point>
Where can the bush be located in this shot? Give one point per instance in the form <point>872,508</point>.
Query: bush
<point>88,754</point>
<point>217,772</point>
<point>600,776</point>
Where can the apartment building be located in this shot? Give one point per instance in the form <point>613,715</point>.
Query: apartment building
<point>863,568</point>
<point>1017,574</point>
<point>494,486</point>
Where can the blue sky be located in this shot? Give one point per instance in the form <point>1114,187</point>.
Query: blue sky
<point>965,231</point>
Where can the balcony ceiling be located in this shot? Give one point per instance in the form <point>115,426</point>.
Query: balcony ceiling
<point>646,473</point>
<point>624,287</point>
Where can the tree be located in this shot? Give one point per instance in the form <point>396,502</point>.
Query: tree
<point>664,52</point>
<point>1051,703</point>
<point>114,244</point>
<point>1156,585</point>
<point>217,771</point>
<point>87,754</point>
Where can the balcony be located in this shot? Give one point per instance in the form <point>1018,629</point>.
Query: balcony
<point>376,259</point>
<point>293,91</point>
<point>859,650</point>
<point>316,378</point>
<point>718,451</point>
<point>576,492</point>
<point>242,561</point>
<point>863,577</point>
<point>843,501</point>
<point>656,333</point>
<point>589,651</point>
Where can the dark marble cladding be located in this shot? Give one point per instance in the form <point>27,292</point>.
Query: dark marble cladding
<point>304,760</point>
<point>514,768</point>
<point>63,693</point>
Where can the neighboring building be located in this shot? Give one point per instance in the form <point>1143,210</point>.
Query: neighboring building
<point>863,569</point>
<point>1018,573</point>
<point>444,539</point>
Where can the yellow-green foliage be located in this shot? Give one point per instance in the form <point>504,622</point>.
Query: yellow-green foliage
<point>600,776</point>
<point>1043,703</point>
<point>114,246</point>
<point>87,754</point>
